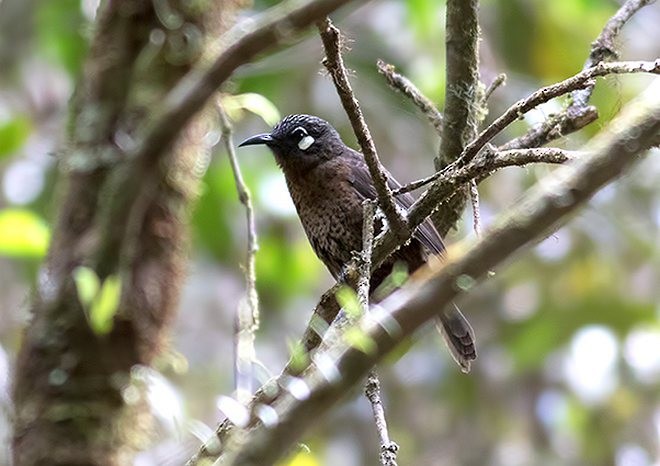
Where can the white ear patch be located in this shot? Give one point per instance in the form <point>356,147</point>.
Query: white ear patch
<point>306,142</point>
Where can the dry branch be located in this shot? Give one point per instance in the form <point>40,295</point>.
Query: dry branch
<point>400,83</point>
<point>334,62</point>
<point>247,316</point>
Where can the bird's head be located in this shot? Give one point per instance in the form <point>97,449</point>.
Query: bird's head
<point>300,141</point>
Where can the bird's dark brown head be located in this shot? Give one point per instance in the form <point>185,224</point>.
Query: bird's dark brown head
<point>302,141</point>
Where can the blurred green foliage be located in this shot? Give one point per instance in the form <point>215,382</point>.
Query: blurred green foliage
<point>521,405</point>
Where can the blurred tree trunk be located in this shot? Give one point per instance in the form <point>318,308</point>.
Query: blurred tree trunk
<point>121,217</point>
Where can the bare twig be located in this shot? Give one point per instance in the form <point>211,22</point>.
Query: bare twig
<point>476,214</point>
<point>603,49</point>
<point>334,62</point>
<point>496,160</point>
<point>500,80</point>
<point>550,92</point>
<point>247,317</point>
<point>553,128</point>
<point>388,448</point>
<point>365,256</point>
<point>402,84</point>
<point>578,114</point>
<point>611,153</point>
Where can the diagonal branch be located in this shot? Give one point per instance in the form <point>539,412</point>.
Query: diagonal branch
<point>335,64</point>
<point>550,92</point>
<point>579,114</point>
<point>279,24</point>
<point>604,50</point>
<point>402,84</point>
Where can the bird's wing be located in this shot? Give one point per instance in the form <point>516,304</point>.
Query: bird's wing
<point>363,184</point>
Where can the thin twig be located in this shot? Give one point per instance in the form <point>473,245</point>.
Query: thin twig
<point>612,152</point>
<point>247,317</point>
<point>578,113</point>
<point>553,128</point>
<point>550,92</point>
<point>368,215</point>
<point>476,214</point>
<point>334,62</point>
<point>400,83</point>
<point>603,49</point>
<point>498,160</point>
<point>388,448</point>
<point>500,80</point>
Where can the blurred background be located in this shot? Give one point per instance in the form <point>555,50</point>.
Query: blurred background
<point>568,332</point>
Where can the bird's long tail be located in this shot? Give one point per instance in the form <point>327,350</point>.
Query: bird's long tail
<point>458,336</point>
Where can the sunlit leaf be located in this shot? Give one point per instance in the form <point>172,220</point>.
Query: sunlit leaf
<point>297,356</point>
<point>302,458</point>
<point>348,300</point>
<point>104,307</point>
<point>13,135</point>
<point>359,340</point>
<point>87,284</point>
<point>252,102</point>
<point>60,27</point>
<point>23,234</point>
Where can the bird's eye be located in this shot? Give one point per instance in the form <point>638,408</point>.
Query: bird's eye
<point>304,139</point>
<point>299,133</point>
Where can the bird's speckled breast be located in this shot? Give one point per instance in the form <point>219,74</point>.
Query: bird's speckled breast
<point>330,212</point>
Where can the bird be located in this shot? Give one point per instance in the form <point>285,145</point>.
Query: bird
<point>328,182</point>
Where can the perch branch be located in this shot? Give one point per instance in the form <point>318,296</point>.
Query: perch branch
<point>388,448</point>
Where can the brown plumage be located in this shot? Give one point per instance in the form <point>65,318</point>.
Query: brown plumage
<point>328,182</point>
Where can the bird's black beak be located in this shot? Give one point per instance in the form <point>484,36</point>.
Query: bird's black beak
<point>258,139</point>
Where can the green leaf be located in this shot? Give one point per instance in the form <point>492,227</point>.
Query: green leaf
<point>87,284</point>
<point>23,234</point>
<point>359,340</point>
<point>105,306</point>
<point>298,358</point>
<point>348,300</point>
<point>60,29</point>
<point>255,103</point>
<point>13,135</point>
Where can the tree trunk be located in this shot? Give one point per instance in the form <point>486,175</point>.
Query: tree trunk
<point>121,217</point>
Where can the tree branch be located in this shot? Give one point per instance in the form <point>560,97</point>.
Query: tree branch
<point>277,25</point>
<point>603,50</point>
<point>334,62</point>
<point>400,83</point>
<point>550,92</point>
<point>463,98</point>
<point>612,152</point>
<point>578,114</point>
<point>247,316</point>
